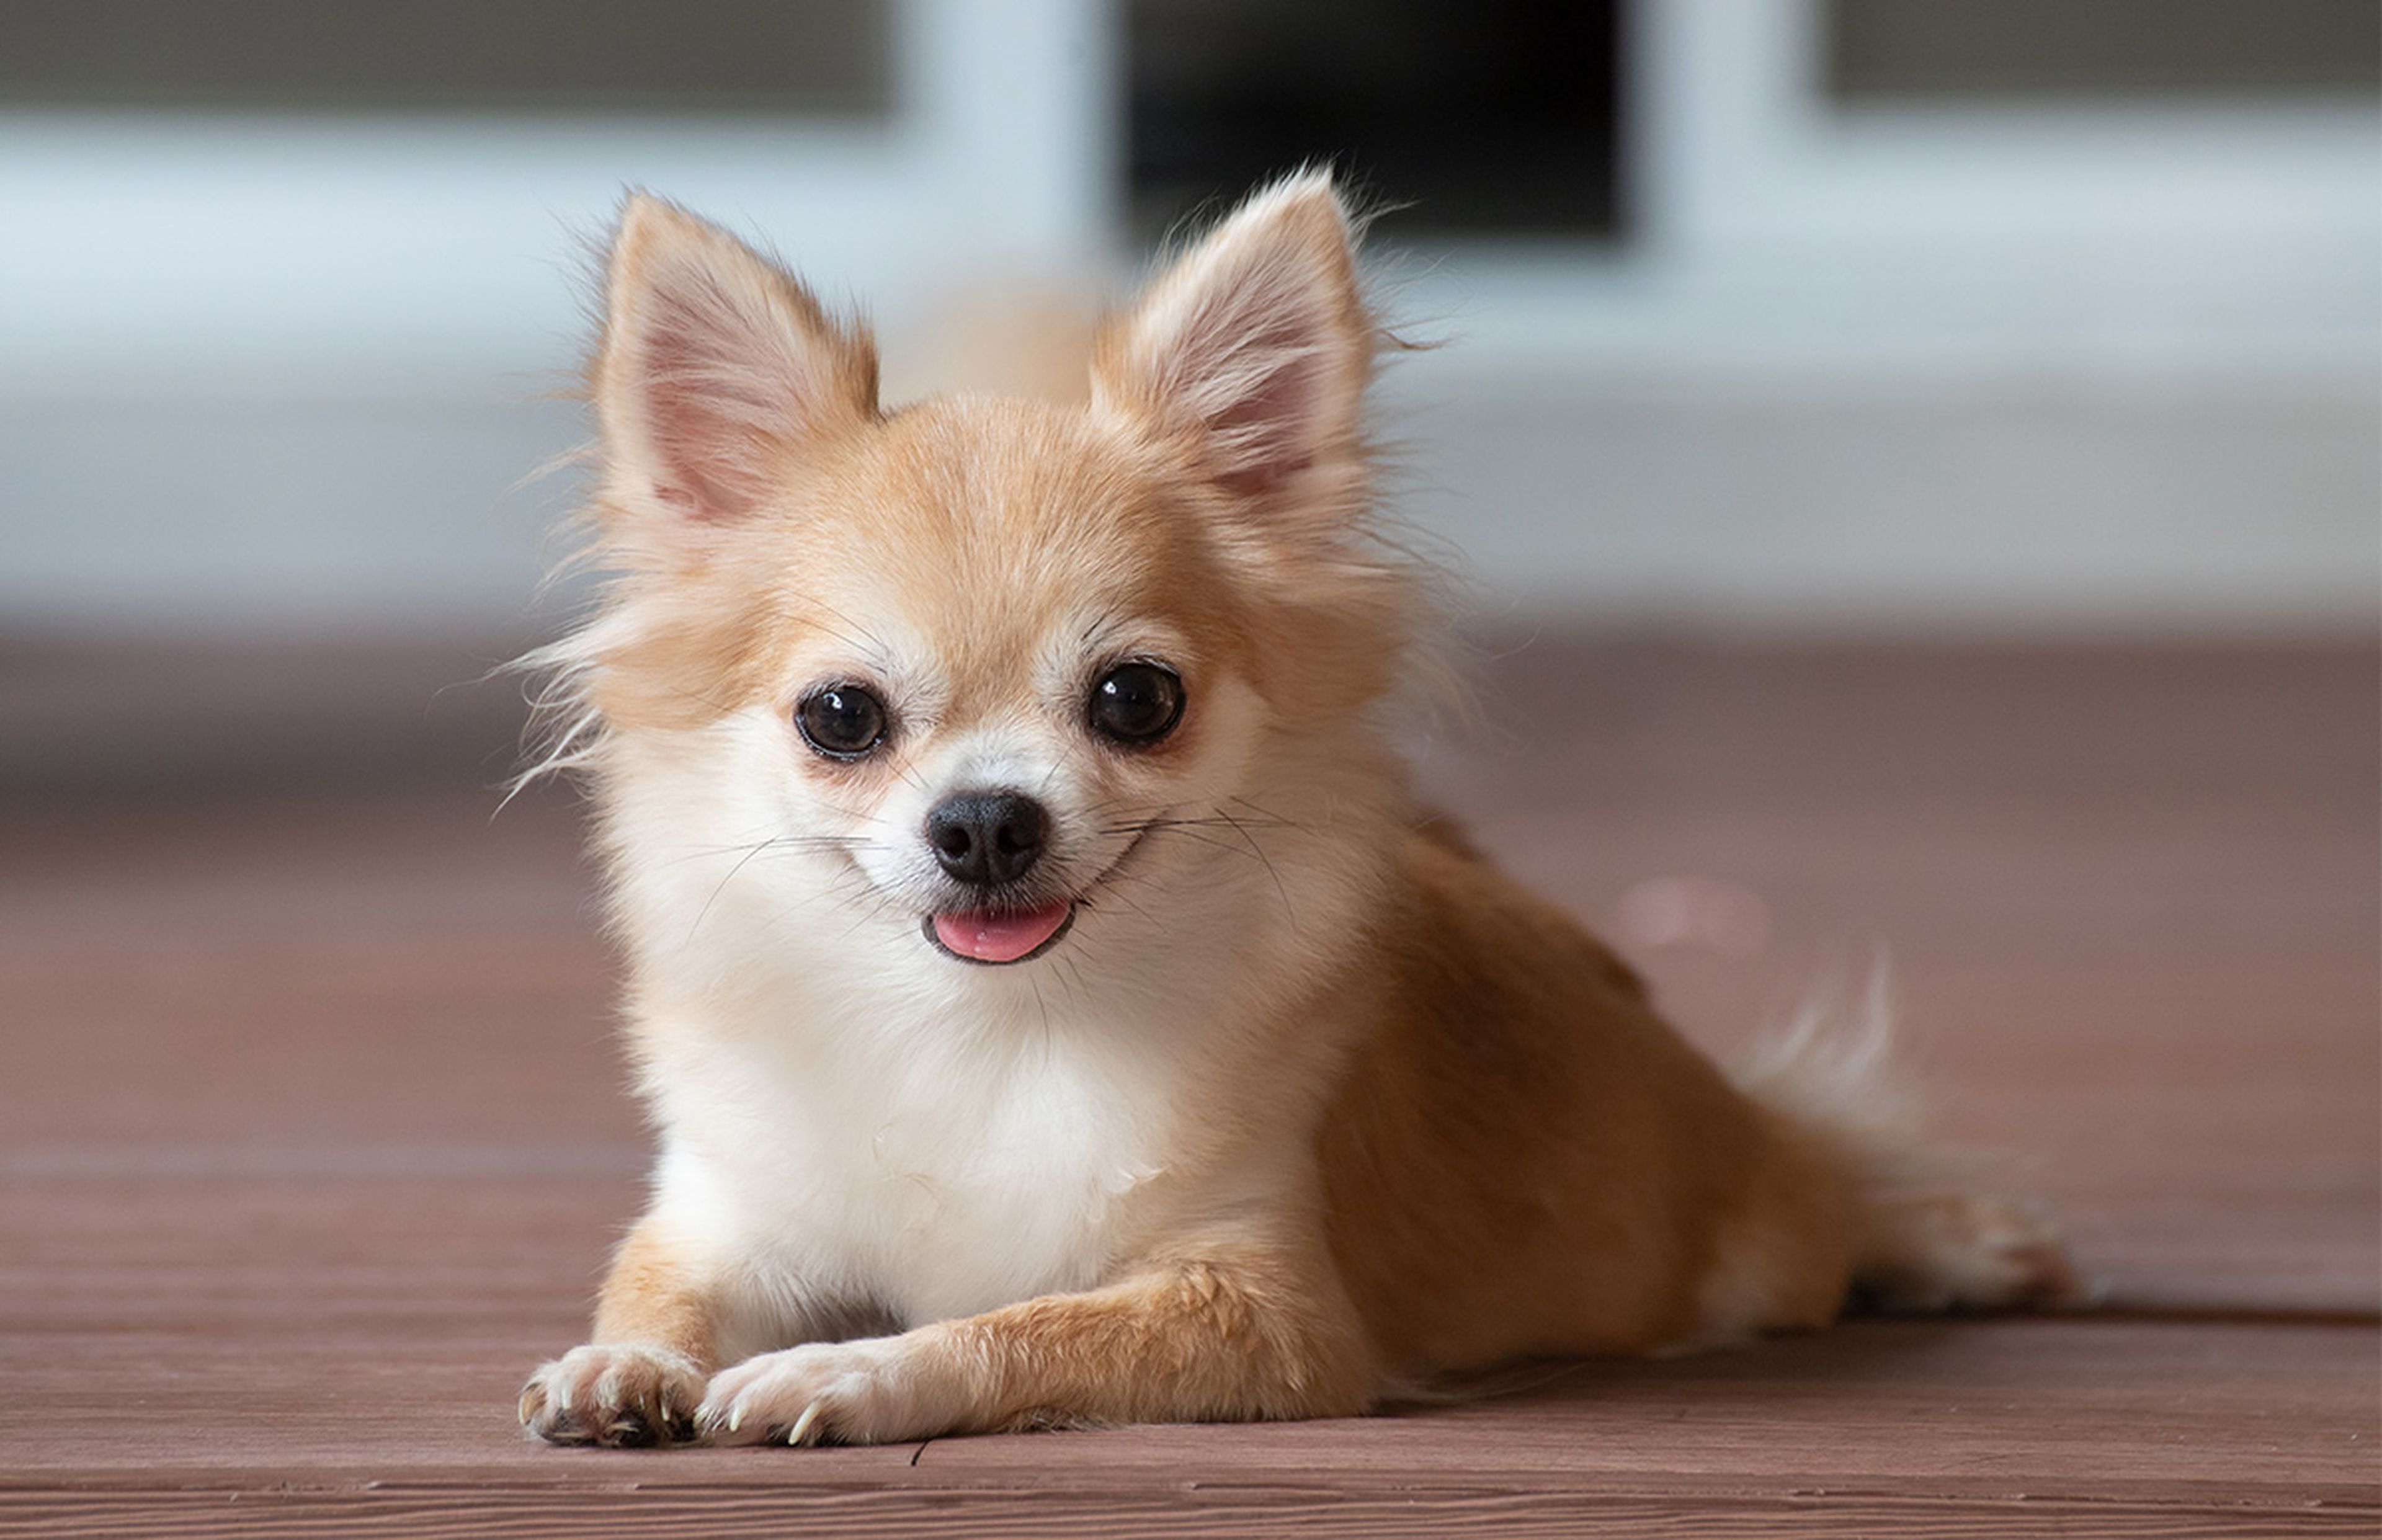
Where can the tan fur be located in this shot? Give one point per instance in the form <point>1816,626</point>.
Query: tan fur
<point>1315,1102</point>
<point>1529,1161</point>
<point>653,1296</point>
<point>1241,1330</point>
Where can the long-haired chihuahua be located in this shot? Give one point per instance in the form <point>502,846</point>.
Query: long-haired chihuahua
<point>1053,1004</point>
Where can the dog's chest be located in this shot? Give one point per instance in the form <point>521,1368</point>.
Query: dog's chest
<point>955,1175</point>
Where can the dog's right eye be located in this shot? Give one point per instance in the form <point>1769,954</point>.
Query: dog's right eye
<point>841,721</point>
<point>1137,702</point>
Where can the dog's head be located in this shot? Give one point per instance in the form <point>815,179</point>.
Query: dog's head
<point>976,670</point>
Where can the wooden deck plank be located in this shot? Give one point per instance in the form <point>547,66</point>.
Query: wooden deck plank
<point>1315,1510</point>
<point>337,1328</point>
<point>312,1136</point>
<point>319,1306</point>
<point>1323,1511</point>
<point>352,1336</point>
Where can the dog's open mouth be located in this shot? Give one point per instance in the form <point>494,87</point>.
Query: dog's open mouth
<point>1000,935</point>
<point>995,937</point>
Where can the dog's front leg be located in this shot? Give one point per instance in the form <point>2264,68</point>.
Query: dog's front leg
<point>1213,1334</point>
<point>639,1378</point>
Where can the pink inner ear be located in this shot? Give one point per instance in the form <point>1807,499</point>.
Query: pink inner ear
<point>1265,436</point>
<point>1266,370</point>
<point>717,394</point>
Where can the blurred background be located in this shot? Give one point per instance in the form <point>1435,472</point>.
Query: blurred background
<point>2013,321</point>
<point>2024,315</point>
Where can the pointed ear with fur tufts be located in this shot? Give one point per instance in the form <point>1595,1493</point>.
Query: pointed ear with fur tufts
<point>1253,348</point>
<point>716,366</point>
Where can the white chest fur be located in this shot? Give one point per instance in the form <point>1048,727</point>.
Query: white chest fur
<point>931,1167</point>
<point>853,1121</point>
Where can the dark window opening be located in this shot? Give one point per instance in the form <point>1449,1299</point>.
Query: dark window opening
<point>827,57</point>
<point>2033,51</point>
<point>1482,117</point>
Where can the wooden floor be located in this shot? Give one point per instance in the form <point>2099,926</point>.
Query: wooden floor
<point>312,1138</point>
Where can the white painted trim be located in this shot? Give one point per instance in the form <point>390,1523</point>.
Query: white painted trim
<point>425,256</point>
<point>1777,231</point>
<point>1743,152</point>
<point>2025,368</point>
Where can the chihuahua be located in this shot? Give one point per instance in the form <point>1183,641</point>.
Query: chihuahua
<point>1054,1005</point>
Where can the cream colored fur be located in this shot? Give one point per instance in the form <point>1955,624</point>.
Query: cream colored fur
<point>1248,1141</point>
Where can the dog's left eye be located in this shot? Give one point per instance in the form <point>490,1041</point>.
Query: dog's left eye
<point>841,721</point>
<point>1137,702</point>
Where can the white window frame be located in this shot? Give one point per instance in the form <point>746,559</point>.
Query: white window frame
<point>147,250</point>
<point>1773,228</point>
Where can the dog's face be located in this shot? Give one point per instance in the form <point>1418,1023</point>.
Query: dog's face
<point>983,661</point>
<point>980,669</point>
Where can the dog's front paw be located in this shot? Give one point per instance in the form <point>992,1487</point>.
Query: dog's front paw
<point>873,1391</point>
<point>615,1394</point>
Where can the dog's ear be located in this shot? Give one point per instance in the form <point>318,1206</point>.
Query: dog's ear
<point>1255,348</point>
<point>715,366</point>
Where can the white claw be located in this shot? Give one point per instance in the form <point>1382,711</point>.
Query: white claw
<point>736,1416</point>
<point>803,1424</point>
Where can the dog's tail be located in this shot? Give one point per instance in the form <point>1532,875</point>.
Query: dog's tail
<point>1829,1071</point>
<point>1919,1241</point>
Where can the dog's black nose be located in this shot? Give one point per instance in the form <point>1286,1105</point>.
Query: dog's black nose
<point>986,836</point>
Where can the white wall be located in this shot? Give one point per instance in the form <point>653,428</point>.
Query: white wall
<point>2022,371</point>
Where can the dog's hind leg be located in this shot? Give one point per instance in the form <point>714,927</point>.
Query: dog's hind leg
<point>1958,1251</point>
<point>1918,1241</point>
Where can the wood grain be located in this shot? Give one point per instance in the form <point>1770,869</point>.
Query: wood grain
<point>312,1137</point>
<point>1317,1510</point>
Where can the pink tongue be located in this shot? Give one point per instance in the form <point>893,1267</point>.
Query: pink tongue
<point>994,937</point>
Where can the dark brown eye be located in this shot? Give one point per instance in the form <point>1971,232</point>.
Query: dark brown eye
<point>1137,702</point>
<point>841,721</point>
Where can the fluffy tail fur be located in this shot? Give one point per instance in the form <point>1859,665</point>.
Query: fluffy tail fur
<point>1920,1244</point>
